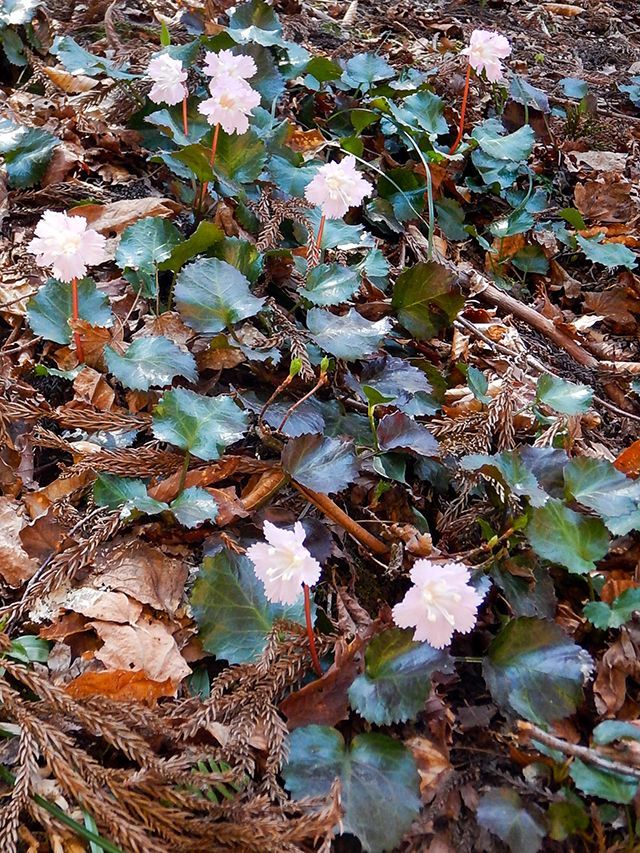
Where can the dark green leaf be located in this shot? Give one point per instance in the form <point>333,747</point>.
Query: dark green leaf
<point>562,395</point>
<point>522,92</point>
<point>169,120</point>
<point>194,506</point>
<point>50,309</point>
<point>206,235</point>
<point>241,254</point>
<point>113,492</point>
<point>231,610</point>
<point>202,425</point>
<point>566,818</point>
<point>496,143</point>
<point>374,770</point>
<point>396,680</point>
<point>146,243</point>
<point>451,218</point>
<point>478,384</point>
<point>323,69</point>
<point>210,295</point>
<point>239,159</point>
<point>26,152</point>
<point>398,431</point>
<point>508,469</point>
<point>255,21</point>
<point>563,536</point>
<point>426,299</point>
<point>150,362</point>
<point>533,669</point>
<point>365,69</point>
<point>502,812</point>
<point>77,60</point>
<point>422,111</point>
<point>13,47</point>
<point>326,465</point>
<point>530,259</point>
<point>196,157</point>
<point>610,730</point>
<point>349,336</point>
<point>330,284</point>
<point>598,485</point>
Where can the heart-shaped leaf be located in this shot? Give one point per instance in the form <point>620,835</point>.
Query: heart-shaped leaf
<point>422,111</point>
<point>533,669</point>
<point>363,69</point>
<point>502,812</point>
<point>330,284</point>
<point>563,536</point>
<point>26,152</point>
<point>426,299</point>
<point>239,159</point>
<point>378,776</point>
<point>194,506</point>
<point>146,243</point>
<point>77,60</point>
<point>150,362</point>
<point>50,309</point>
<point>211,295</point>
<point>350,336</point>
<point>202,425</point>
<point>562,395</point>
<point>326,465</point>
<point>231,610</point>
<point>396,680</point>
<point>255,21</point>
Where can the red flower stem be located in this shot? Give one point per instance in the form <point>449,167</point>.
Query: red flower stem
<point>75,316</point>
<point>212,160</point>
<point>319,236</point>
<point>310,634</point>
<point>463,111</point>
<point>185,121</point>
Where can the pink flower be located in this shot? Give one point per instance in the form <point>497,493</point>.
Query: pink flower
<point>485,51</point>
<point>230,104</point>
<point>284,564</point>
<point>440,602</point>
<point>65,244</point>
<point>336,187</point>
<point>228,66</point>
<point>168,78</point>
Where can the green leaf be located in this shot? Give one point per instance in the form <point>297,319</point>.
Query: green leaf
<point>533,669</point>
<point>17,12</point>
<point>361,119</point>
<point>451,218</point>
<point>405,189</point>
<point>478,384</point>
<point>613,787</point>
<point>26,152</point>
<point>206,235</point>
<point>50,309</point>
<point>616,614</point>
<point>231,610</point>
<point>397,431</point>
<point>239,159</point>
<point>610,255</point>
<point>396,681</point>
<point>426,299</point>
<point>330,284</point>
<point>632,89</point>
<point>202,425</point>
<point>508,469</point>
<point>241,254</point>
<point>255,21</point>
<point>563,536</point>
<point>210,295</point>
<point>609,730</point>
<point>150,362</point>
<point>364,69</point>
<point>378,776</point>
<point>13,47</point>
<point>113,492</point>
<point>146,243</point>
<point>494,141</point>
<point>531,259</point>
<point>169,120</point>
<point>77,60</point>
<point>29,649</point>
<point>194,506</point>
<point>502,812</point>
<point>326,465</point>
<point>349,336</point>
<point>566,818</point>
<point>562,395</point>
<point>574,88</point>
<point>196,157</point>
<point>598,485</point>
<point>323,69</point>
<point>422,111</point>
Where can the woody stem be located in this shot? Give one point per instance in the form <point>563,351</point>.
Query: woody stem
<point>463,111</point>
<point>75,316</point>
<point>185,121</point>
<point>310,634</point>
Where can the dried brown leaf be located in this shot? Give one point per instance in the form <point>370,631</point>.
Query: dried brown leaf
<point>16,566</point>
<point>117,215</point>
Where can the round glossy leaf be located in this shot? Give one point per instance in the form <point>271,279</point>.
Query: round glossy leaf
<point>150,362</point>
<point>146,243</point>
<point>326,465</point>
<point>50,309</point>
<point>378,776</point>
<point>194,506</point>
<point>330,284</point>
<point>605,784</point>
<point>426,299</point>
<point>563,536</point>
<point>533,669</point>
<point>350,336</point>
<point>502,812</point>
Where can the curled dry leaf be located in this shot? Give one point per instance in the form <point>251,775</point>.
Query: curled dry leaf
<point>16,566</point>
<point>117,215</point>
<point>121,686</point>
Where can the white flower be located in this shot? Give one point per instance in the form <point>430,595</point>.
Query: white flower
<point>485,51</point>
<point>284,564</point>
<point>65,244</point>
<point>229,66</point>
<point>230,104</point>
<point>440,602</point>
<point>336,187</point>
<point>168,77</point>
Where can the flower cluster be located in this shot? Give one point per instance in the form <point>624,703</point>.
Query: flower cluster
<point>440,602</point>
<point>232,98</point>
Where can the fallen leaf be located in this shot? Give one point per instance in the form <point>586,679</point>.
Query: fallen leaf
<point>16,566</point>
<point>434,767</point>
<point>147,646</point>
<point>606,200</point>
<point>619,662</point>
<point>565,10</point>
<point>117,215</point>
<point>304,141</point>
<point>72,84</point>
<point>91,387</point>
<point>121,686</point>
<point>629,460</point>
<point>39,502</point>
<point>104,605</point>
